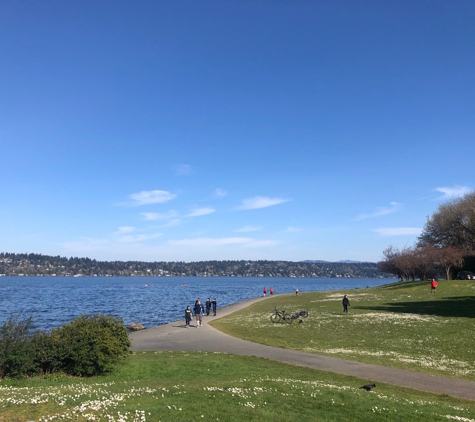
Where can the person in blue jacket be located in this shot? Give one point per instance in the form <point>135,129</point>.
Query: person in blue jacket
<point>199,311</point>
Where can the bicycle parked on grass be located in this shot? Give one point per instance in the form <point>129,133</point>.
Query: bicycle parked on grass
<point>279,315</point>
<point>300,314</point>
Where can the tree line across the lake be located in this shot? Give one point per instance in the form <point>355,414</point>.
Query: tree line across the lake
<point>445,246</point>
<point>43,265</point>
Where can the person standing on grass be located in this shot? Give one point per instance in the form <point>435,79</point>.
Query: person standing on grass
<point>188,316</point>
<point>296,291</point>
<point>199,311</point>
<point>346,304</point>
<point>433,285</point>
<point>214,304</point>
<point>208,306</point>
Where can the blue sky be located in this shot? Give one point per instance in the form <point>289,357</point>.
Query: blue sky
<point>211,130</point>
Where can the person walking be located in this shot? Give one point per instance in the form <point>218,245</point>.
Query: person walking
<point>433,285</point>
<point>208,306</point>
<point>265,291</point>
<point>199,311</point>
<point>346,303</point>
<point>188,316</point>
<point>214,304</point>
<point>296,291</point>
<point>271,291</point>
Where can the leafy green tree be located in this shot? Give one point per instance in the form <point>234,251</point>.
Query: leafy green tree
<point>453,224</point>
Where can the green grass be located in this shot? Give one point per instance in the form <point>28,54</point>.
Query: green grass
<point>181,386</point>
<point>401,325</point>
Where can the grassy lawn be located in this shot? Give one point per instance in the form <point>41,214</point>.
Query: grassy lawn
<point>401,325</point>
<point>180,386</point>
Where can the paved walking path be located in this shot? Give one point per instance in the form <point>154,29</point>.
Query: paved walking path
<point>177,337</point>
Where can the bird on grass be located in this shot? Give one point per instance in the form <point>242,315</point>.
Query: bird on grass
<point>368,387</point>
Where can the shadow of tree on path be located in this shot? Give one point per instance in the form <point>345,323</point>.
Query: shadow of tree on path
<point>457,306</point>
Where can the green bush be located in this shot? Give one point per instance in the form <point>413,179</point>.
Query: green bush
<point>47,359</point>
<point>90,345</point>
<point>16,347</point>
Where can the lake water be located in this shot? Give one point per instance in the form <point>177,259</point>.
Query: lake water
<point>151,301</point>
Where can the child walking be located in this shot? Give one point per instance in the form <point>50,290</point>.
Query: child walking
<point>188,316</point>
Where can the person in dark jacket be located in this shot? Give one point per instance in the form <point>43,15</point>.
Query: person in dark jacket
<point>214,304</point>
<point>208,306</point>
<point>188,316</point>
<point>199,311</point>
<point>346,303</point>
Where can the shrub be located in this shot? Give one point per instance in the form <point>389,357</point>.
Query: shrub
<point>47,358</point>
<point>90,345</point>
<point>16,347</point>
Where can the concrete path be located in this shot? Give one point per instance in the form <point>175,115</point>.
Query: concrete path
<point>177,337</point>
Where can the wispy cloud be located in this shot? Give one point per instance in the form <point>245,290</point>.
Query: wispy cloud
<point>201,211</point>
<point>260,202</point>
<point>260,243</point>
<point>455,192</point>
<point>399,231</point>
<point>149,197</point>
<point>159,216</point>
<point>292,229</point>
<point>381,211</point>
<point>182,169</point>
<point>208,241</point>
<point>124,235</point>
<point>220,192</point>
<point>138,238</point>
<point>172,223</point>
<point>124,229</point>
<point>248,229</point>
<point>87,244</point>
<point>205,242</point>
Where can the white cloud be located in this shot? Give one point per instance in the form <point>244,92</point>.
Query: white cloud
<point>248,229</point>
<point>261,243</point>
<point>182,169</point>
<point>150,197</point>
<point>260,202</point>
<point>87,244</point>
<point>201,211</point>
<point>455,192</point>
<point>138,238</point>
<point>381,211</point>
<point>172,223</point>
<point>208,241</point>
<point>159,216</point>
<point>292,229</point>
<point>399,231</point>
<point>125,229</point>
<point>220,192</point>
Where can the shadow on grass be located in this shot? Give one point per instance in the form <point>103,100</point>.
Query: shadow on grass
<point>457,306</point>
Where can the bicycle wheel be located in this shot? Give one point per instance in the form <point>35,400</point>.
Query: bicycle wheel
<point>275,317</point>
<point>304,314</point>
<point>288,319</point>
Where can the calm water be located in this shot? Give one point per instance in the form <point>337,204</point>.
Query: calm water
<point>152,301</point>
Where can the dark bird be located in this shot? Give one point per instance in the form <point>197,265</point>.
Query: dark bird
<point>368,387</point>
